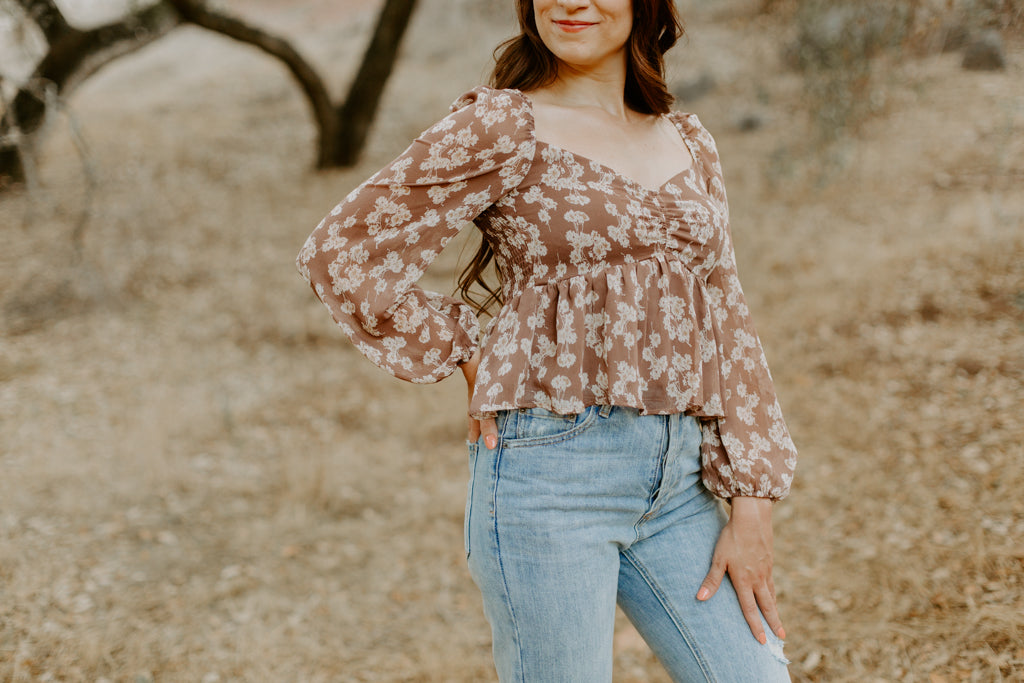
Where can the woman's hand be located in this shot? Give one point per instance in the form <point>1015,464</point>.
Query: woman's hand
<point>744,550</point>
<point>488,427</point>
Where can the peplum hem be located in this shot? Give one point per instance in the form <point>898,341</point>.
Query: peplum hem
<point>640,334</point>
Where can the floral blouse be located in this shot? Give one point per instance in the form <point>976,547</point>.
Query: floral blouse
<point>614,293</point>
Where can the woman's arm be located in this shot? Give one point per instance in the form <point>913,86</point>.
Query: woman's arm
<point>748,452</point>
<point>365,257</point>
<point>749,456</point>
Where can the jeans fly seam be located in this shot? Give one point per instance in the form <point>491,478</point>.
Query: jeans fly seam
<point>501,567</point>
<point>672,614</point>
<point>659,479</point>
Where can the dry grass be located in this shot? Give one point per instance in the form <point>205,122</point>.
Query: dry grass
<point>201,482</point>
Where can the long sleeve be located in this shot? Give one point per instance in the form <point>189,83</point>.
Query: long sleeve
<point>365,257</point>
<point>748,452</point>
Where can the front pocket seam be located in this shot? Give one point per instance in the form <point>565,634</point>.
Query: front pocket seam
<point>555,438</point>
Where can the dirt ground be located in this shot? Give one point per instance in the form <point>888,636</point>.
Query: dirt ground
<point>200,480</point>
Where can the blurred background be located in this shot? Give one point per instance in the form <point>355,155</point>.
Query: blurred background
<point>201,480</point>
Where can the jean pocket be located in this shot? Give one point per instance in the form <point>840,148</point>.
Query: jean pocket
<point>537,426</point>
<point>472,446</point>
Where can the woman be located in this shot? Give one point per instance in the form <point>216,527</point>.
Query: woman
<point>620,387</point>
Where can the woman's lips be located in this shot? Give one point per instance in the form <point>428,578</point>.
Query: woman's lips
<point>574,26</point>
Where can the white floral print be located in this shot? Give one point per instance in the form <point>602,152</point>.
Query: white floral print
<point>615,293</point>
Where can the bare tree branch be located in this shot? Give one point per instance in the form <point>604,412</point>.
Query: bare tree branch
<point>74,55</point>
<point>48,17</point>
<point>196,12</point>
<point>360,107</point>
<point>79,57</point>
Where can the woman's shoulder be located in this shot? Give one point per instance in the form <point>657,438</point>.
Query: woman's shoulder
<point>486,97</point>
<point>486,128</point>
<point>502,117</point>
<point>688,121</point>
<point>694,130</point>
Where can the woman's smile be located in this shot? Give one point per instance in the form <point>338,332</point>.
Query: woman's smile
<point>587,35</point>
<point>570,26</point>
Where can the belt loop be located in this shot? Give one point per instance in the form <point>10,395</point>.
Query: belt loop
<point>605,411</point>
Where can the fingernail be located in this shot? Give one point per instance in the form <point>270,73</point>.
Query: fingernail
<point>782,634</point>
<point>703,594</point>
<point>762,638</point>
<point>491,442</point>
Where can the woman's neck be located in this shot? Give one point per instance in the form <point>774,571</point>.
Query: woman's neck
<point>602,88</point>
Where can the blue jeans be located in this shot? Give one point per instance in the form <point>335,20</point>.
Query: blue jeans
<point>573,513</point>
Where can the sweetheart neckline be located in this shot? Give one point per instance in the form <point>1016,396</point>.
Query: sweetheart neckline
<point>594,162</point>
<point>632,181</point>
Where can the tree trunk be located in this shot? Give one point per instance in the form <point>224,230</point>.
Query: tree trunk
<point>343,129</point>
<point>357,112</point>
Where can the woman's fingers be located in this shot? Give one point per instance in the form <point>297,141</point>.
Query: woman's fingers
<point>748,603</point>
<point>469,373</point>
<point>489,430</point>
<point>477,428</point>
<point>766,601</point>
<point>713,579</point>
<point>753,602</point>
<point>486,428</point>
<point>756,599</point>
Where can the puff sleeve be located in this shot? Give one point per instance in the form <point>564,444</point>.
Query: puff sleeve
<point>364,258</point>
<point>748,452</point>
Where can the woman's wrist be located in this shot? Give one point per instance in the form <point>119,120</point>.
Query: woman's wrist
<point>468,366</point>
<point>748,506</point>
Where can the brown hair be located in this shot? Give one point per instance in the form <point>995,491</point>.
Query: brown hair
<point>525,63</point>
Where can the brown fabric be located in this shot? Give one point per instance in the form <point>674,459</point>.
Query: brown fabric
<point>615,293</point>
